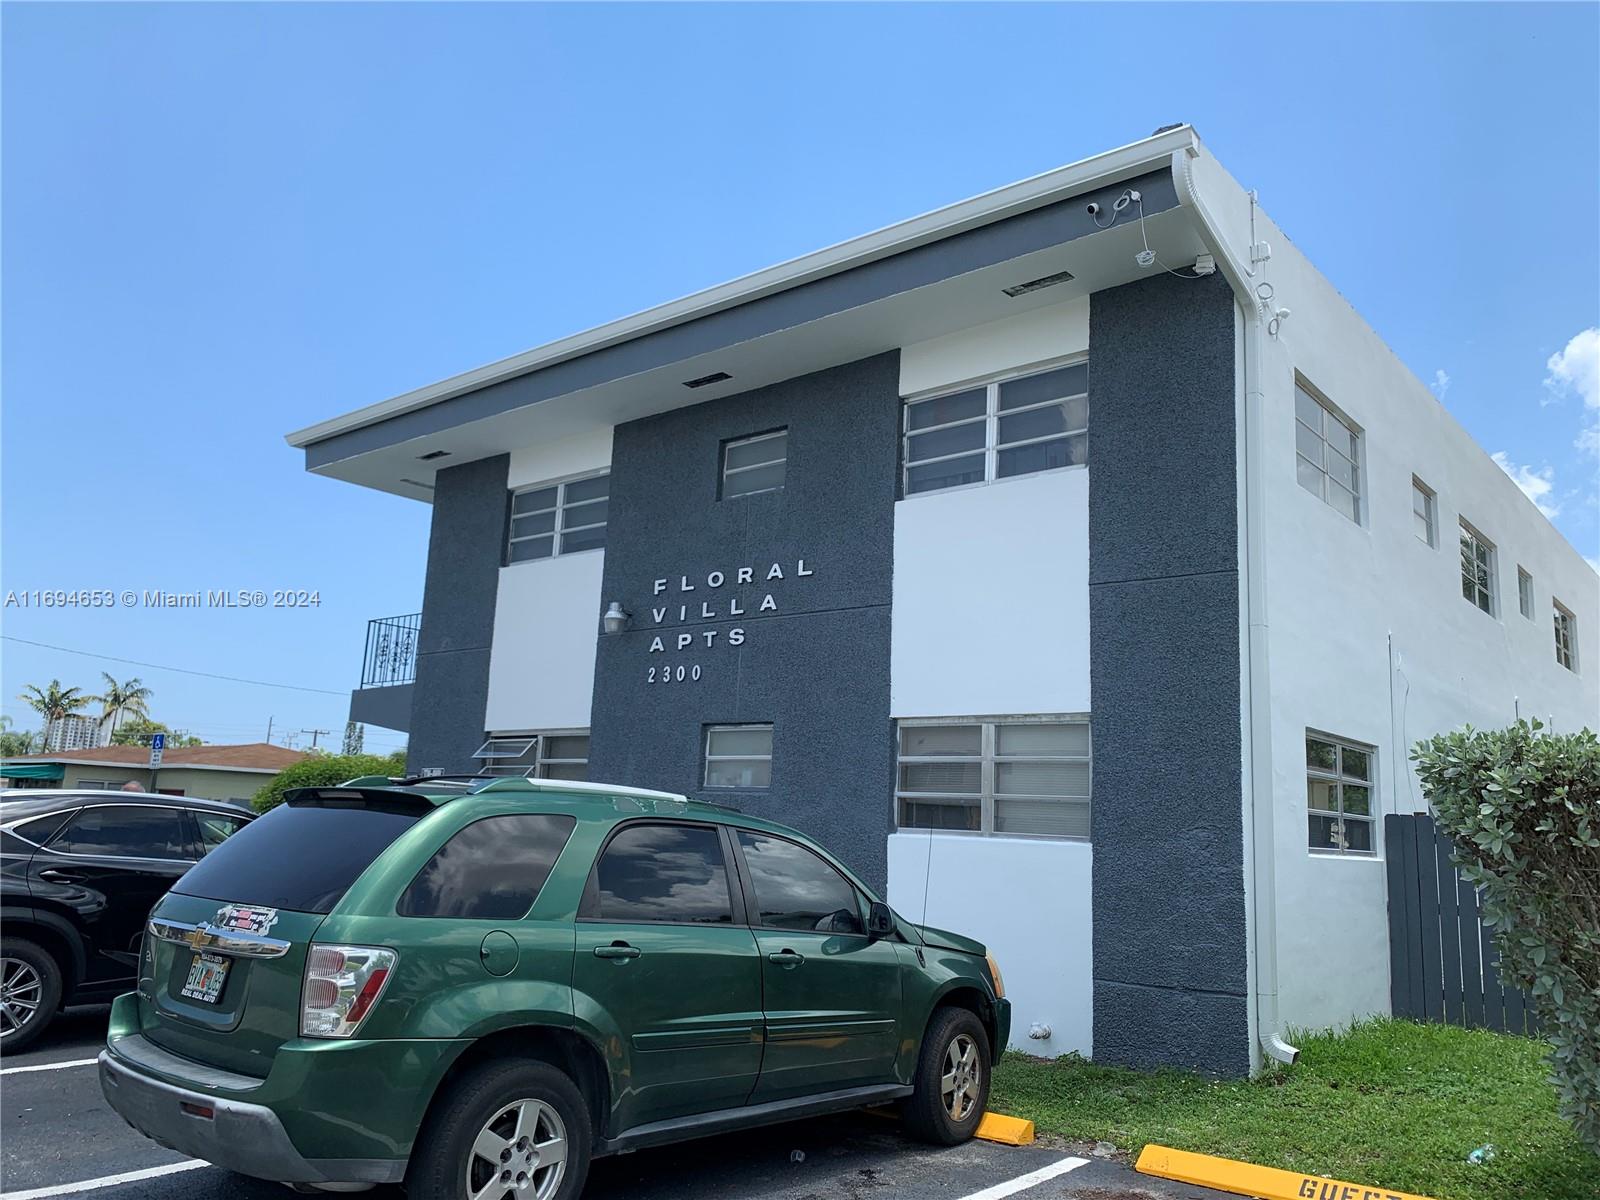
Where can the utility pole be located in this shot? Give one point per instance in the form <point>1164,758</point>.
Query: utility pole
<point>315,733</point>
<point>269,730</point>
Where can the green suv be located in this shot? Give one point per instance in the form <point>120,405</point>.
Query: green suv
<point>475,987</point>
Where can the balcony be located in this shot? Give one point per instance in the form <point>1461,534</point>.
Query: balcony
<point>388,671</point>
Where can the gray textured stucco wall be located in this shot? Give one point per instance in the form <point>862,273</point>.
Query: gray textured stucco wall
<point>818,667</point>
<point>465,547</point>
<point>1170,982</point>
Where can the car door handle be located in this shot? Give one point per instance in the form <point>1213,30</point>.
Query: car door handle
<point>786,958</point>
<point>617,950</point>
<point>51,875</point>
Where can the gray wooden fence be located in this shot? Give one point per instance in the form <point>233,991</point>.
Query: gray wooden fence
<point>1442,961</point>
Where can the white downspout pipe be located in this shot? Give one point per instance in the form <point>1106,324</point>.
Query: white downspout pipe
<point>1261,866</point>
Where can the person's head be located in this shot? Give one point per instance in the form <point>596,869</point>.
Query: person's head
<point>133,786</point>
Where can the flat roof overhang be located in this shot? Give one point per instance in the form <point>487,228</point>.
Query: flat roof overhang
<point>906,284</point>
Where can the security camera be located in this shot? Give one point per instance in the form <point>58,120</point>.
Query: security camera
<point>1094,209</point>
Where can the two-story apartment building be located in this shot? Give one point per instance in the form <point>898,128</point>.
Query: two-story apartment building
<point>1073,560</point>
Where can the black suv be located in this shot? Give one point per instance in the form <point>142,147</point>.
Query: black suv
<point>79,874</point>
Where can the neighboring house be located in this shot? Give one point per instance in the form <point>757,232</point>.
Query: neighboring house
<point>74,732</point>
<point>210,772</point>
<point>1032,555</point>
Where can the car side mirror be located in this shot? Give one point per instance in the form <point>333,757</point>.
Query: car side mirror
<point>880,920</point>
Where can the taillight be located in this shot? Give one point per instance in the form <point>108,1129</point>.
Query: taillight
<point>342,984</point>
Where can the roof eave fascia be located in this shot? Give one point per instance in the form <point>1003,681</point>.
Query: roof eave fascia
<point>953,219</point>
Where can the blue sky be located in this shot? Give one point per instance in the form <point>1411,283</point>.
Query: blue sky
<point>225,222</point>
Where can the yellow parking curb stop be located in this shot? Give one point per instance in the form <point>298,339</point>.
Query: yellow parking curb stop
<point>1247,1179</point>
<point>1012,1131</point>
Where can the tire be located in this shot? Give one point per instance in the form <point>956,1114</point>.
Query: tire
<point>956,1044</point>
<point>486,1103</point>
<point>30,992</point>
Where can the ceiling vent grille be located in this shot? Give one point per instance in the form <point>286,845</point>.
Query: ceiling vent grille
<point>714,377</point>
<point>1033,285</point>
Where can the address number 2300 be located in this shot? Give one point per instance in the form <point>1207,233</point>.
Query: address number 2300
<point>677,674</point>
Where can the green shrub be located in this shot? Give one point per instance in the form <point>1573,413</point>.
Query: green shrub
<point>1523,809</point>
<point>324,770</point>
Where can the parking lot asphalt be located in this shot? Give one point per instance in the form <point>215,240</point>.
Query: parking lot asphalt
<point>58,1138</point>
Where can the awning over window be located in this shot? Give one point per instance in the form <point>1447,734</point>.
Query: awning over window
<point>32,770</point>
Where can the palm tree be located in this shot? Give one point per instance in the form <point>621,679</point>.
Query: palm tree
<point>131,698</point>
<point>54,703</point>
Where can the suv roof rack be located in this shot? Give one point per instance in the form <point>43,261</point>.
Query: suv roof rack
<point>516,783</point>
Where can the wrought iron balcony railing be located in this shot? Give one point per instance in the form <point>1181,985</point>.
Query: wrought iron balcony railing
<point>391,656</point>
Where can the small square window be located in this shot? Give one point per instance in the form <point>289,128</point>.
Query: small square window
<point>1566,637</point>
<point>738,756</point>
<point>1478,570</point>
<point>1341,807</point>
<point>1327,454</point>
<point>1525,593</point>
<point>755,464</point>
<point>1424,511</point>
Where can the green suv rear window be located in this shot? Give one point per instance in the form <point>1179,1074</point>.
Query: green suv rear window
<point>302,857</point>
<point>491,870</point>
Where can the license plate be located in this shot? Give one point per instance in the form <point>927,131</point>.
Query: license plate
<point>207,972</point>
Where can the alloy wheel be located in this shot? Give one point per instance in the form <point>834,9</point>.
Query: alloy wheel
<point>21,990</point>
<point>519,1154</point>
<point>962,1081</point>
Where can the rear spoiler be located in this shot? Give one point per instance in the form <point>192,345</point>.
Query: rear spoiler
<point>382,799</point>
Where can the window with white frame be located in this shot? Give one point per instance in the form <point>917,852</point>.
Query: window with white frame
<point>1525,593</point>
<point>755,464</point>
<point>555,755</point>
<point>738,756</point>
<point>1021,776</point>
<point>1340,777</point>
<point>1478,569</point>
<point>1424,512</point>
<point>1018,426</point>
<point>558,518</point>
<point>1566,637</point>
<point>1327,453</point>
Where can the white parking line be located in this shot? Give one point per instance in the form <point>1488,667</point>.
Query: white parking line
<point>1032,1179</point>
<point>93,1185</point>
<point>55,1066</point>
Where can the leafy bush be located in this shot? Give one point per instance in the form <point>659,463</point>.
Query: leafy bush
<point>1523,808</point>
<point>324,770</point>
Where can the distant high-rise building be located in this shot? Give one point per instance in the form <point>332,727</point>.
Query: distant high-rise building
<point>72,732</point>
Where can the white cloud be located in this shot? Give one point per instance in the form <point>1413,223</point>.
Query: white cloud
<point>1441,383</point>
<point>1593,562</point>
<point>1575,370</point>
<point>1535,485</point>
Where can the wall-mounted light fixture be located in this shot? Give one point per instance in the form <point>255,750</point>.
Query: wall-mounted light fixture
<point>615,619</point>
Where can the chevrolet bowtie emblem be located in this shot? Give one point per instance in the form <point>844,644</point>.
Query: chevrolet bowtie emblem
<point>197,937</point>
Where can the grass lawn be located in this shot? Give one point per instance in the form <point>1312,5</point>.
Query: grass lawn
<point>1390,1103</point>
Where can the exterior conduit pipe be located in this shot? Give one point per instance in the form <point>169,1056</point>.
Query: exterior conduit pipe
<point>1261,866</point>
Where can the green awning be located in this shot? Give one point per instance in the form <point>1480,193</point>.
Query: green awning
<point>32,770</point>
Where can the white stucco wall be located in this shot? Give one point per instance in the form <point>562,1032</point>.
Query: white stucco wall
<point>969,355</point>
<point>547,612</point>
<point>1370,638</point>
<point>546,622</point>
<point>991,599</point>
<point>1028,900</point>
<point>991,618</point>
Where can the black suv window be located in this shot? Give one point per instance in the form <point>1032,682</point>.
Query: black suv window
<point>491,871</point>
<point>301,856</point>
<point>796,889</point>
<point>662,873</point>
<point>125,831</point>
<point>215,828</point>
